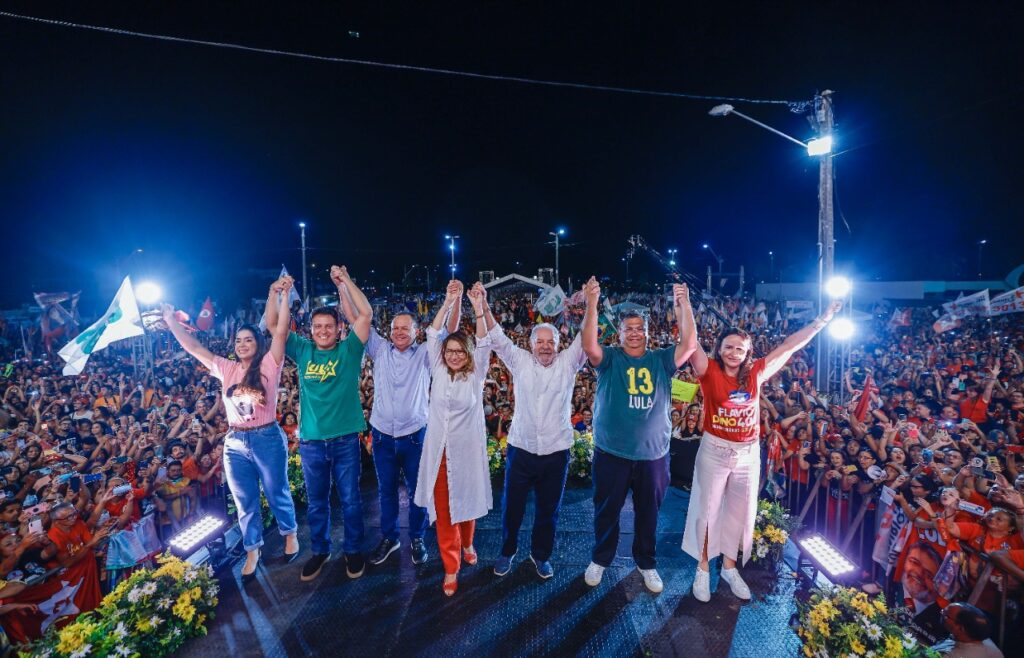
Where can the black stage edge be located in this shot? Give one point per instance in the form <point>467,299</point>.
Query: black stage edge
<point>398,609</point>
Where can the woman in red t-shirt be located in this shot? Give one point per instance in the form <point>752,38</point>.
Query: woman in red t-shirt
<point>723,503</point>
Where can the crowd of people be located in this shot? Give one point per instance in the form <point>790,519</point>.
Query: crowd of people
<point>914,469</point>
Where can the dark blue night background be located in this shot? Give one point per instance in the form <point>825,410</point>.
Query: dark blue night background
<point>207,158</point>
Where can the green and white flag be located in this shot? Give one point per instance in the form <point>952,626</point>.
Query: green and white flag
<point>122,320</point>
<point>551,302</point>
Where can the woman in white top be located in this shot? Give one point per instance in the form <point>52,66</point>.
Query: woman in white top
<point>454,481</point>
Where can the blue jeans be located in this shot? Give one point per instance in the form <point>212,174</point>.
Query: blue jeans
<point>389,454</point>
<point>323,462</point>
<point>252,457</point>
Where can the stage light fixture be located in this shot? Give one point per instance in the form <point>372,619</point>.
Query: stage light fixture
<point>838,287</point>
<point>148,292</point>
<point>841,329</point>
<point>203,531</point>
<point>826,556</point>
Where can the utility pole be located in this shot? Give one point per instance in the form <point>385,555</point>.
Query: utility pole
<point>826,236</point>
<point>302,228</point>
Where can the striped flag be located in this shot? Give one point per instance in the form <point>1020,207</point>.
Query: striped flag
<point>122,320</point>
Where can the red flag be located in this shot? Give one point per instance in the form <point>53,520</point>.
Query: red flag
<point>60,599</point>
<point>900,318</point>
<point>861,412</point>
<point>205,320</point>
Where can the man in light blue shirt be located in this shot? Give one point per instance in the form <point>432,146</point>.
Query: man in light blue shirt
<point>401,382</point>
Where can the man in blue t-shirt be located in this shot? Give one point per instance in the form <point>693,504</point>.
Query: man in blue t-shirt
<point>632,430</point>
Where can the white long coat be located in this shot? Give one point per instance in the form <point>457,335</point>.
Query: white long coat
<point>455,428</point>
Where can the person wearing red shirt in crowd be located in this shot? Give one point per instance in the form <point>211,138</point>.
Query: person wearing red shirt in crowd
<point>72,536</point>
<point>723,504</point>
<point>975,407</point>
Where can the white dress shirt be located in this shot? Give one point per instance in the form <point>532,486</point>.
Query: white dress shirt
<point>401,383</point>
<point>456,429</point>
<point>541,422</point>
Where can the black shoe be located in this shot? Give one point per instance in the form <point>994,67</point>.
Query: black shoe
<point>385,548</point>
<point>419,551</point>
<point>314,565</point>
<point>355,564</point>
<point>249,577</point>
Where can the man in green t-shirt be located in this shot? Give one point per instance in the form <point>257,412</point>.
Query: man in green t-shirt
<point>330,421</point>
<point>632,431</point>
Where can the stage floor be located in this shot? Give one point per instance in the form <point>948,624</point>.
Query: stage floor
<point>398,609</point>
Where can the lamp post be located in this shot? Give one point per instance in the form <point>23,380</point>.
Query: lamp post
<point>451,248</point>
<point>557,234</point>
<point>672,257</point>
<point>820,147</point>
<point>717,258</point>
<point>302,233</point>
<point>771,266</point>
<point>981,247</point>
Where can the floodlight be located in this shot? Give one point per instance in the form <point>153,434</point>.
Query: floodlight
<point>721,110</point>
<point>302,224</point>
<point>820,146</point>
<point>838,287</point>
<point>841,329</point>
<point>148,292</point>
<point>826,556</point>
<point>202,532</point>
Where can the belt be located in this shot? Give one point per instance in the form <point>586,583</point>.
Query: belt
<point>323,441</point>
<point>253,429</point>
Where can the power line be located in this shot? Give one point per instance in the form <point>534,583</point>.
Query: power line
<point>794,106</point>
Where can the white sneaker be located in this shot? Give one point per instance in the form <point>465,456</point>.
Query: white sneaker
<point>652,580</point>
<point>736,584</point>
<point>702,586</point>
<point>594,574</point>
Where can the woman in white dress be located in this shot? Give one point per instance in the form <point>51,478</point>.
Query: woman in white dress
<point>455,483</point>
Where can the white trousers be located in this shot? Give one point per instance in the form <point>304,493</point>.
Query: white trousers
<point>723,500</point>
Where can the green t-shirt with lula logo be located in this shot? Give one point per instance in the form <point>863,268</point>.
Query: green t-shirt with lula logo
<point>329,404</point>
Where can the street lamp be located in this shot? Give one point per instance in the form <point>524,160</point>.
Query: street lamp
<point>451,248</point>
<point>841,328</point>
<point>302,232</point>
<point>838,287</point>
<point>148,293</point>
<point>557,234</point>
<point>981,246</point>
<point>771,266</point>
<point>672,257</point>
<point>718,258</point>
<point>820,147</point>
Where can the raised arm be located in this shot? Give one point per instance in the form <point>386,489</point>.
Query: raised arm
<point>361,324</point>
<point>798,340</point>
<point>282,320</point>
<point>348,305</point>
<point>689,346</point>
<point>451,298</point>
<point>488,315</point>
<point>591,345</point>
<point>476,300</point>
<point>187,341</point>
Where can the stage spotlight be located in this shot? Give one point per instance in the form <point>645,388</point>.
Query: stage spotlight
<point>148,293</point>
<point>826,557</point>
<point>194,537</point>
<point>841,329</point>
<point>838,287</point>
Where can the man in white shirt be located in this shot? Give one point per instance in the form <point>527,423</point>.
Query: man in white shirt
<point>538,439</point>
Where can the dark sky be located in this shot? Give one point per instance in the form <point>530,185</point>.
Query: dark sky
<point>207,158</point>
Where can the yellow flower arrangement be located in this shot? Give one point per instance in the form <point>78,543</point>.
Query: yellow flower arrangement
<point>772,528</point>
<point>151,613</point>
<point>839,621</point>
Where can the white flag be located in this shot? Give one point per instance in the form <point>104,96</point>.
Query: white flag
<point>551,302</point>
<point>1007,302</point>
<point>976,304</point>
<point>292,298</point>
<point>122,320</point>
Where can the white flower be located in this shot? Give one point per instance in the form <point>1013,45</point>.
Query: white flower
<point>82,653</point>
<point>149,588</point>
<point>155,620</point>
<point>121,631</point>
<point>177,632</point>
<point>874,631</point>
<point>785,536</point>
<point>134,595</point>
<point>164,603</point>
<point>209,571</point>
<point>909,642</point>
<point>191,575</point>
<point>870,654</point>
<point>122,650</point>
<point>761,551</point>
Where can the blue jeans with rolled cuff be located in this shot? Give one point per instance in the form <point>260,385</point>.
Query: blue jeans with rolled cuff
<point>333,461</point>
<point>255,457</point>
<point>391,453</point>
